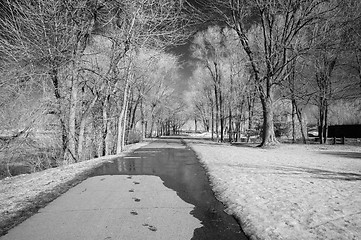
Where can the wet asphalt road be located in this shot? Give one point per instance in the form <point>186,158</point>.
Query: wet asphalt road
<point>159,191</point>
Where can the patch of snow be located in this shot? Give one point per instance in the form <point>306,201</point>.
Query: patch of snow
<point>291,192</point>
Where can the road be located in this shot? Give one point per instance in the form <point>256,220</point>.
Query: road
<point>158,192</point>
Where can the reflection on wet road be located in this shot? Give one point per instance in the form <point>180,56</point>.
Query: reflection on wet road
<point>179,169</point>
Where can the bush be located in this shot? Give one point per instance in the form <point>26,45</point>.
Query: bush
<point>133,136</point>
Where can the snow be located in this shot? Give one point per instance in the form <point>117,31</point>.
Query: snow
<point>290,192</point>
<point>20,195</point>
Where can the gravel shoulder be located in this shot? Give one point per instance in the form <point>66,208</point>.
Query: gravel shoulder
<point>289,192</point>
<point>21,196</point>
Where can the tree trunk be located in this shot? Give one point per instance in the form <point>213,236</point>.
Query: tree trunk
<point>142,119</point>
<point>71,153</point>
<point>293,124</point>
<point>221,115</point>
<point>130,114</point>
<point>145,128</point>
<point>212,120</point>
<point>322,120</point>
<point>300,121</point>
<point>169,126</point>
<point>92,141</point>
<point>299,116</point>
<point>291,80</point>
<point>152,127</point>
<point>108,134</point>
<point>251,100</point>
<point>157,128</point>
<point>125,123</point>
<point>195,125</point>
<point>217,111</point>
<point>121,118</point>
<point>64,132</point>
<point>205,123</point>
<point>268,137</point>
<point>325,132</point>
<point>230,123</point>
<point>80,153</point>
<point>105,127</point>
<point>83,122</point>
<point>238,127</point>
<point>133,114</point>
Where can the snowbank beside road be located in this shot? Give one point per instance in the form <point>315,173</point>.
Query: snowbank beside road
<point>292,192</point>
<point>21,196</point>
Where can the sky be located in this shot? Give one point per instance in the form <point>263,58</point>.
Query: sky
<point>183,51</point>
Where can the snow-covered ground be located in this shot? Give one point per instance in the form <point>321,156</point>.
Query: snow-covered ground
<point>22,195</point>
<point>290,192</point>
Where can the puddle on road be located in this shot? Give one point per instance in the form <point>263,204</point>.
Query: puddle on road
<point>180,170</point>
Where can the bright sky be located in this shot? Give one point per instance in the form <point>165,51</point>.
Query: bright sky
<point>187,65</point>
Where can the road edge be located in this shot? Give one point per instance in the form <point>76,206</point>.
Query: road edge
<point>216,194</point>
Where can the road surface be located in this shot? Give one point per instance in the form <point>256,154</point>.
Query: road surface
<point>158,192</point>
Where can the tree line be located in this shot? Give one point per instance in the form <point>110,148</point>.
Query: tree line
<point>90,69</point>
<point>94,70</point>
<point>267,52</point>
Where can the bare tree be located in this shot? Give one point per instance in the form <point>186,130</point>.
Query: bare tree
<point>328,46</point>
<point>50,37</point>
<point>266,30</point>
<point>86,50</point>
<point>207,47</point>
